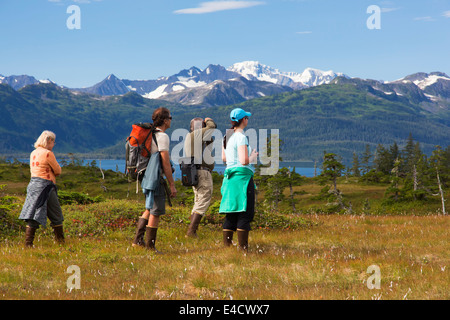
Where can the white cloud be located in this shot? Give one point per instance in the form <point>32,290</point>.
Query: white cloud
<point>386,10</point>
<point>214,6</point>
<point>446,14</point>
<point>427,18</point>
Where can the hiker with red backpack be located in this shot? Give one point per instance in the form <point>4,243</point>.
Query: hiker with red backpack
<point>153,183</point>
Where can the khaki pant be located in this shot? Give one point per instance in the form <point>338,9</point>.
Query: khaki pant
<point>202,192</point>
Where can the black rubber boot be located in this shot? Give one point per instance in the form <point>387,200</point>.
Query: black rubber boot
<point>29,236</point>
<point>195,221</point>
<point>59,234</point>
<point>243,239</point>
<point>227,237</point>
<point>150,239</point>
<point>140,231</point>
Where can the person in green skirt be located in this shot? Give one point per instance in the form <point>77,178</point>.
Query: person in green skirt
<point>238,187</point>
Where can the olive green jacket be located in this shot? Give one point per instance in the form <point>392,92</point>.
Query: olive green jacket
<point>205,136</point>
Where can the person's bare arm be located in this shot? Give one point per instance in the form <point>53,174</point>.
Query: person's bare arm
<point>167,169</point>
<point>244,159</point>
<point>209,129</point>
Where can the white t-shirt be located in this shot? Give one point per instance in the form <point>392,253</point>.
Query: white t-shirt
<point>163,142</point>
<point>231,152</point>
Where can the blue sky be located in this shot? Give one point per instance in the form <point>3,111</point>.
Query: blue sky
<point>145,39</point>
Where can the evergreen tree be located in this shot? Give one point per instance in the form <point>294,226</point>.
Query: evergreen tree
<point>418,175</point>
<point>393,191</point>
<point>355,166</point>
<point>332,169</point>
<point>275,185</point>
<point>365,159</point>
<point>408,156</point>
<point>395,155</point>
<point>383,160</point>
<point>294,179</point>
<point>414,169</point>
<point>446,166</point>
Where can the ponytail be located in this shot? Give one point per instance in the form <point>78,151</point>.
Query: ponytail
<point>229,133</point>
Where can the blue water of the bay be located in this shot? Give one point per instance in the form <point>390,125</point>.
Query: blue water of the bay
<point>303,168</point>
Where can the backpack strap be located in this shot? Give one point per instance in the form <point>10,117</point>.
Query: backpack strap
<point>156,142</point>
<point>154,136</point>
<point>152,131</point>
<point>162,180</point>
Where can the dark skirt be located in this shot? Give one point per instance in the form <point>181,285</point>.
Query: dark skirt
<point>41,203</point>
<point>241,220</point>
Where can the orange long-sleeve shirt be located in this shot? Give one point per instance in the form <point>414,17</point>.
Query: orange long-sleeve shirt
<point>43,164</point>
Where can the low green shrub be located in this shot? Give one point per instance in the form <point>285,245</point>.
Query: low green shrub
<point>66,197</point>
<point>8,210</point>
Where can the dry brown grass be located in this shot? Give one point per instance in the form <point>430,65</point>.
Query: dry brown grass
<point>328,261</point>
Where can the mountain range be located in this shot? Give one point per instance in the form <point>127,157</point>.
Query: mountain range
<point>17,82</point>
<point>217,85</point>
<point>213,86</point>
<point>314,110</point>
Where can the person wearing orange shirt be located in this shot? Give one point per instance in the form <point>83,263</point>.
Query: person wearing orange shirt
<point>42,198</point>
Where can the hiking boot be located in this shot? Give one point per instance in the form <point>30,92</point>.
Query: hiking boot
<point>243,239</point>
<point>140,231</point>
<point>29,236</point>
<point>150,239</point>
<point>59,234</point>
<point>227,237</point>
<point>195,221</point>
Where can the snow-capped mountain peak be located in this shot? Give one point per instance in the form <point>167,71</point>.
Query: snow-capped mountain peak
<point>47,81</point>
<point>315,77</point>
<point>429,81</point>
<point>17,82</point>
<point>422,79</point>
<point>188,73</point>
<point>254,70</point>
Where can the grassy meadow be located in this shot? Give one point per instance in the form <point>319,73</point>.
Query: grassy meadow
<point>306,255</point>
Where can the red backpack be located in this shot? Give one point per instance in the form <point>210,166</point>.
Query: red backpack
<point>138,147</point>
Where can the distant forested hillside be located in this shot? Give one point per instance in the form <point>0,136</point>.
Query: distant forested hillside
<point>82,122</point>
<point>340,117</point>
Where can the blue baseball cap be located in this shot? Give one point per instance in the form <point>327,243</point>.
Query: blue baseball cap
<point>237,114</point>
